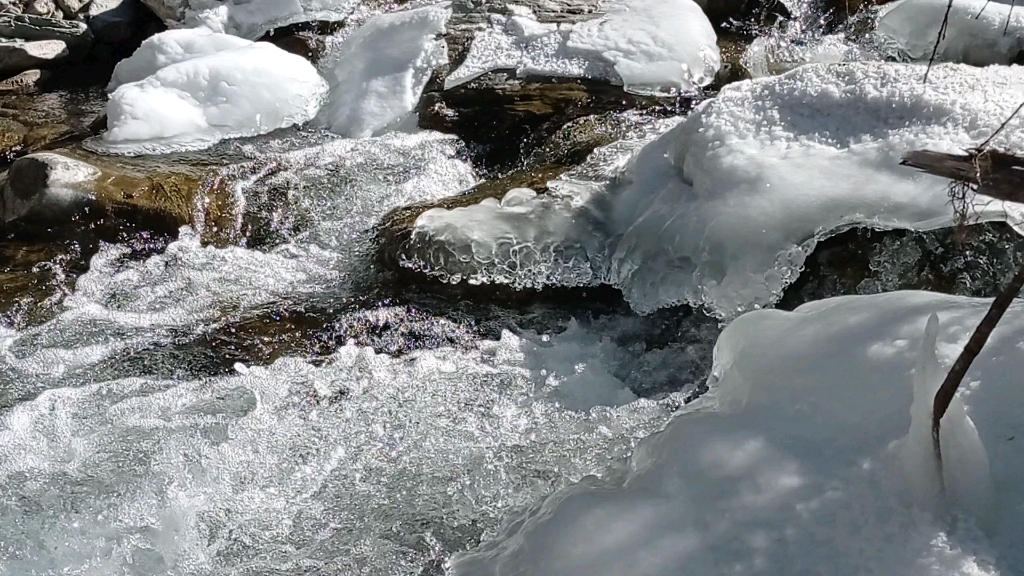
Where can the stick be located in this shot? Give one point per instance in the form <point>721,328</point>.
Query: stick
<point>938,40</point>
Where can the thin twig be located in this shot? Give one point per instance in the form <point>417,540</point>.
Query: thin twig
<point>988,140</point>
<point>1008,16</point>
<point>938,40</point>
<point>971,350</point>
<point>978,15</point>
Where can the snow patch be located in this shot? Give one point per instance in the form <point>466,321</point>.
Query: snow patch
<point>378,73</point>
<point>649,46</point>
<point>170,47</point>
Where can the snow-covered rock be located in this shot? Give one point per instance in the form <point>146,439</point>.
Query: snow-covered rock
<point>722,210</point>
<point>795,461</point>
<point>649,46</point>
<point>378,73</point>
<point>192,104</point>
<point>248,18</point>
<point>171,47</point>
<point>979,32</point>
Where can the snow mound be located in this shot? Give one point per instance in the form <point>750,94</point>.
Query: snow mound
<point>722,210</point>
<point>979,32</point>
<point>795,462</point>
<point>170,47</point>
<point>649,46</point>
<point>197,102</point>
<point>252,18</point>
<point>378,73</point>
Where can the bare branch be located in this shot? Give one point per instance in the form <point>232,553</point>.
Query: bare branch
<point>988,140</point>
<point>938,40</point>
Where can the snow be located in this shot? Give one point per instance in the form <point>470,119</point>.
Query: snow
<point>974,35</point>
<point>170,47</point>
<point>795,461</point>
<point>779,53</point>
<point>722,210</point>
<point>378,73</point>
<point>252,18</point>
<point>195,103</point>
<point>649,46</point>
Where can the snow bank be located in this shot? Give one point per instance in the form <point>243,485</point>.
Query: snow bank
<point>794,463</point>
<point>378,73</point>
<point>170,47</point>
<point>721,210</point>
<point>196,102</point>
<point>650,46</point>
<point>974,35</point>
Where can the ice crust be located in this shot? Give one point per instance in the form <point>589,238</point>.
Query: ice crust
<point>722,209</point>
<point>649,46</point>
<point>796,461</point>
<point>170,47</point>
<point>378,73</point>
<point>200,100</point>
<point>974,35</point>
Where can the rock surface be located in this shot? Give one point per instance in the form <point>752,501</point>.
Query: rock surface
<point>113,21</point>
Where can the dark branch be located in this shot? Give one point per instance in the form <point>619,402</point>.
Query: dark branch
<point>938,40</point>
<point>994,173</point>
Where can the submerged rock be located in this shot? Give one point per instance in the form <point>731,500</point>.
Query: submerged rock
<point>27,81</point>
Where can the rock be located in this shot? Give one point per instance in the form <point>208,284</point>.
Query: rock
<point>42,8</point>
<point>10,7</point>
<point>12,136</point>
<point>167,10</point>
<point>60,189</point>
<point>74,34</point>
<point>49,117</point>
<point>17,56</point>
<point>113,21</point>
<point>71,7</point>
<point>27,81</point>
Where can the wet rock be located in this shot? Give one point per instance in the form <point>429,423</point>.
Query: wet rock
<point>167,10</point>
<point>50,118</point>
<point>27,81</point>
<point>114,21</point>
<point>71,7</point>
<point>62,190</point>
<point>12,136</point>
<point>17,56</point>
<point>503,119</point>
<point>976,261</point>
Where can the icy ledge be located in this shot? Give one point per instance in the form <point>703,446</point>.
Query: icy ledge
<point>801,459</point>
<point>649,46</point>
<point>722,210</point>
<point>189,89</point>
<point>979,32</point>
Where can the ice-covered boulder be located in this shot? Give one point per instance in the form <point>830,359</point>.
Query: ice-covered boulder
<point>378,73</point>
<point>171,47</point>
<point>197,102</point>
<point>649,46</point>
<point>979,32</point>
<point>248,18</point>
<point>794,462</point>
<point>721,210</point>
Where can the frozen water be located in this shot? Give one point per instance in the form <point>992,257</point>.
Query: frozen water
<point>721,210</point>
<point>170,47</point>
<point>252,18</point>
<point>195,103</point>
<point>646,45</point>
<point>793,462</point>
<point>979,32</point>
<point>778,53</point>
<point>378,73</point>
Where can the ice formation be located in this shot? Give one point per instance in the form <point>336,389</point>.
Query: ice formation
<point>793,463</point>
<point>777,54</point>
<point>196,102</point>
<point>721,210</point>
<point>250,18</point>
<point>979,32</point>
<point>649,46</point>
<point>170,47</point>
<point>378,73</point>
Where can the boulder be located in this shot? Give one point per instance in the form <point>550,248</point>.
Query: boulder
<point>27,81</point>
<point>71,7</point>
<point>16,56</point>
<point>74,34</point>
<point>113,21</point>
<point>167,10</point>
<point>42,8</point>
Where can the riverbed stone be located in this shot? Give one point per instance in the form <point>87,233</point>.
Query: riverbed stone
<point>16,56</point>
<point>27,81</point>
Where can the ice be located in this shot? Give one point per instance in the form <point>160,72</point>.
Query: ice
<point>252,18</point>
<point>649,46</point>
<point>792,463</point>
<point>721,210</point>
<point>377,75</point>
<point>779,53</point>
<point>979,32</point>
<point>195,103</point>
<point>170,47</point>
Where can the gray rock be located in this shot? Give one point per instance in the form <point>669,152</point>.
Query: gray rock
<point>74,34</point>
<point>27,81</point>
<point>167,10</point>
<point>17,56</point>
<point>46,186</point>
<point>10,7</point>
<point>113,21</point>
<point>71,7</point>
<point>42,8</point>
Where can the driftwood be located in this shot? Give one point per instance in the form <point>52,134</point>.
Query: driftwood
<point>991,172</point>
